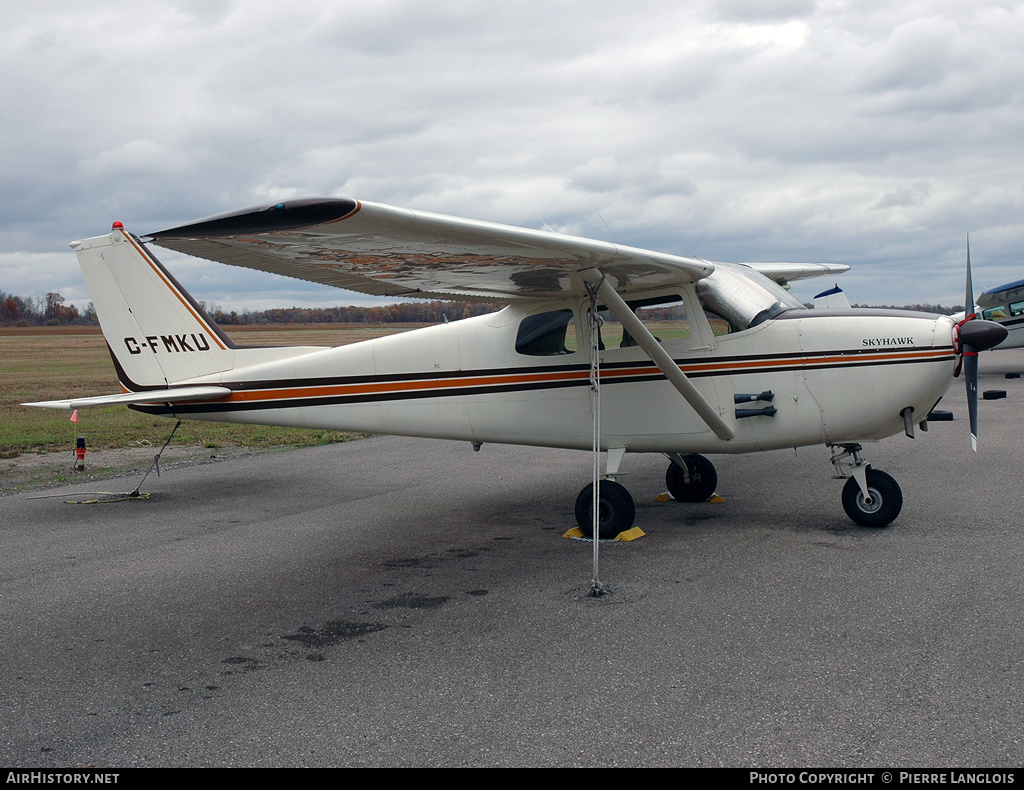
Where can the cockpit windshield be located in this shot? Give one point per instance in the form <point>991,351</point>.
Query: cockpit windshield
<point>742,300</point>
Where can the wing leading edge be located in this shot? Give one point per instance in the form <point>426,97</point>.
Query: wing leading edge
<point>387,251</point>
<point>383,250</point>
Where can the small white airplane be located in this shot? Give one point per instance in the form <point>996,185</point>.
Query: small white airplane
<point>747,368</point>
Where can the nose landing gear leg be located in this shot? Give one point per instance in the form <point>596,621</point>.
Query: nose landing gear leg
<point>871,498</point>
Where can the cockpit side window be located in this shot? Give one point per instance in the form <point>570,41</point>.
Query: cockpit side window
<point>547,334</point>
<point>664,316</point>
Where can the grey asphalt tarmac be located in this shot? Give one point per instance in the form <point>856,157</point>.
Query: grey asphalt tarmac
<point>402,602</point>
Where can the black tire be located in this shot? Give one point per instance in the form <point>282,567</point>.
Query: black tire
<point>616,507</point>
<point>886,500</point>
<point>703,479</point>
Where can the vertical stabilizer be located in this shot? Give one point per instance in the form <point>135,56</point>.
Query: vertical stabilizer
<point>832,299</point>
<point>156,332</point>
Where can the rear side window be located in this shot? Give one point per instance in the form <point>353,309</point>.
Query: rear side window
<point>547,334</point>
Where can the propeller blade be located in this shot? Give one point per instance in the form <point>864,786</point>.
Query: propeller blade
<point>969,298</point>
<point>969,354</point>
<point>974,336</point>
<point>970,357</point>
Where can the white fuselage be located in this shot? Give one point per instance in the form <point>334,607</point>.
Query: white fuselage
<point>836,376</point>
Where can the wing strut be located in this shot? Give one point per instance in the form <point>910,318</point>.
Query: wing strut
<point>658,355</point>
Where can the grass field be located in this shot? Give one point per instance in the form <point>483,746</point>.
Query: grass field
<point>50,363</point>
<point>611,334</point>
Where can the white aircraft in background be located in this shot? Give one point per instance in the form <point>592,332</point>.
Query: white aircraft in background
<point>1005,306</point>
<point>747,368</point>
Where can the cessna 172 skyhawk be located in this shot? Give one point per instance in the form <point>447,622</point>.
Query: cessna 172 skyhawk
<point>750,370</point>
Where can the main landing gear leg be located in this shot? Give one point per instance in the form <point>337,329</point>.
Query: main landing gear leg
<point>691,478</point>
<point>870,497</point>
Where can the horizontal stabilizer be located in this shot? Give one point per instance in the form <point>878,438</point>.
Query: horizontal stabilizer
<point>173,395</point>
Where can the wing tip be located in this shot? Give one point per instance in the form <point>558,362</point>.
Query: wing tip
<point>281,216</point>
<point>50,404</point>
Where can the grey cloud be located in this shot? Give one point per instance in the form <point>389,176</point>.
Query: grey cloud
<point>906,195</point>
<point>762,10</point>
<point>743,130</point>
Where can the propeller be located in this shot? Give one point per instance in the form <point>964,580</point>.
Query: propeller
<point>971,336</point>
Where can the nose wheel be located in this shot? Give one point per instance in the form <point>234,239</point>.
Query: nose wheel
<point>870,498</point>
<point>882,504</point>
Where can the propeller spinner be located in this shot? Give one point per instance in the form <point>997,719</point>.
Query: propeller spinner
<point>971,336</point>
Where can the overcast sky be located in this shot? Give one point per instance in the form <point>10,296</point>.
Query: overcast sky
<point>876,134</point>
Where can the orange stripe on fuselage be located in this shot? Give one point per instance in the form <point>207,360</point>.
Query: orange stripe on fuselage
<point>504,379</point>
<point>805,361</point>
<point>405,386</point>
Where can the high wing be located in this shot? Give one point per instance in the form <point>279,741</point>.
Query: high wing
<point>1011,292</point>
<point>386,251</point>
<point>783,273</point>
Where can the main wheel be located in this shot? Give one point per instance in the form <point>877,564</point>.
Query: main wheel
<point>885,503</point>
<point>615,510</point>
<point>703,479</point>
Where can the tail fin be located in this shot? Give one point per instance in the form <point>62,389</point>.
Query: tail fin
<point>832,299</point>
<point>157,333</point>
